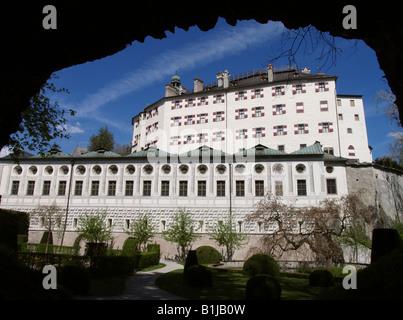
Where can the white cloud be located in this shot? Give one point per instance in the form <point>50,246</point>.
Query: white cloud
<point>212,47</point>
<point>73,128</point>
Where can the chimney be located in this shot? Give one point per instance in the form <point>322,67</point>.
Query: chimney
<point>270,73</point>
<point>306,70</point>
<point>198,85</point>
<point>170,90</point>
<point>223,79</point>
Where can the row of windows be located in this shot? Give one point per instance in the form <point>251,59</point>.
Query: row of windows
<point>165,188</point>
<point>241,95</point>
<point>279,109</point>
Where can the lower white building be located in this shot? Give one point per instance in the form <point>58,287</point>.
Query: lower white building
<point>208,183</point>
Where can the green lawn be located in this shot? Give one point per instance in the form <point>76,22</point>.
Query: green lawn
<point>231,286</point>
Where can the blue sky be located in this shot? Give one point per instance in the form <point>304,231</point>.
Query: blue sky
<point>112,90</point>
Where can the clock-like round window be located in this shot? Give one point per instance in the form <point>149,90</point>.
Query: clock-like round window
<point>259,168</point>
<point>278,168</point>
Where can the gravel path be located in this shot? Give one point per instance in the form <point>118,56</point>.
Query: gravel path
<point>142,285</point>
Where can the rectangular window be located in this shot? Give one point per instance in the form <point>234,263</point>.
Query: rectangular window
<point>258,111</point>
<point>278,91</point>
<point>94,188</point>
<point>183,188</point>
<point>298,88</point>
<point>201,188</point>
<point>280,130</point>
<point>278,188</point>
<point>241,95</point>
<point>352,103</point>
<point>203,118</point>
<point>219,98</point>
<point>301,187</point>
<point>325,126</point>
<point>62,188</point>
<point>129,188</point>
<point>340,116</point>
<point>112,188</point>
<point>356,117</point>
<point>281,148</point>
<point>219,116</point>
<point>147,188</point>
<point>165,188</point>
<point>257,93</point>
<point>220,188</point>
<point>14,188</point>
<point>203,101</point>
<point>46,188</point>
<point>78,189</point>
<point>322,87</point>
<point>259,188</point>
<point>190,103</point>
<point>328,150</point>
<point>240,188</point>
<point>301,129</point>
<point>331,186</point>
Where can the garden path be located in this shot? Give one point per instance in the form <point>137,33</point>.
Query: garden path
<point>142,285</point>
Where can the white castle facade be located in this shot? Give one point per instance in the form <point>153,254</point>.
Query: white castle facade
<point>214,150</point>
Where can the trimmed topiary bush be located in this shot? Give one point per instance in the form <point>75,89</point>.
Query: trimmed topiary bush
<point>130,247</point>
<point>208,255</point>
<point>191,259</point>
<point>261,264</point>
<point>263,287</point>
<point>198,276</point>
<point>384,241</point>
<point>321,278</point>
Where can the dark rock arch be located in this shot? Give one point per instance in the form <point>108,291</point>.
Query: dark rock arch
<point>90,30</point>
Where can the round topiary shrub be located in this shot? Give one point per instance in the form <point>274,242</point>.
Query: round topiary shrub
<point>263,287</point>
<point>208,255</point>
<point>74,278</point>
<point>198,276</point>
<point>321,278</point>
<point>261,264</point>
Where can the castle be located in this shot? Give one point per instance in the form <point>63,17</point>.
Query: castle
<point>213,149</point>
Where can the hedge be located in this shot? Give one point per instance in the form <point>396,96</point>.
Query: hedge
<point>12,223</point>
<point>37,260</point>
<point>52,248</point>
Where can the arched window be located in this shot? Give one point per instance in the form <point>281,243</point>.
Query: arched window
<point>351,151</point>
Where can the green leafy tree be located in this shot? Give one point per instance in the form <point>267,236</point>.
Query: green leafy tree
<point>41,123</point>
<point>50,218</point>
<point>143,230</point>
<point>181,232</point>
<point>104,139</point>
<point>356,236</point>
<point>93,227</point>
<point>225,234</point>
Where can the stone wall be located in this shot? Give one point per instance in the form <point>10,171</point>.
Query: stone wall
<point>381,188</point>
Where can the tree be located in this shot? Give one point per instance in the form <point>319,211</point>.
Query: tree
<point>391,111</point>
<point>50,218</point>
<point>316,226</point>
<point>41,123</point>
<point>142,230</point>
<point>93,227</point>
<point>122,149</point>
<point>104,139</point>
<point>181,232</point>
<point>225,234</point>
